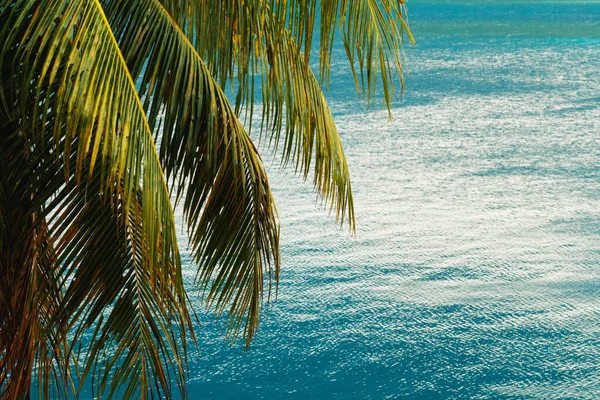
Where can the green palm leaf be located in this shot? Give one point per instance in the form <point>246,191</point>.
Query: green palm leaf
<point>99,140</point>
<point>210,159</point>
<point>122,316</point>
<point>104,106</point>
<point>248,36</point>
<point>27,337</point>
<point>243,39</point>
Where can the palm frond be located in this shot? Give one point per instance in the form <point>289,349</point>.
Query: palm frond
<point>373,33</point>
<point>119,313</point>
<point>67,87</point>
<point>63,47</point>
<point>226,35</point>
<point>29,288</point>
<point>272,39</point>
<point>87,88</point>
<point>209,159</point>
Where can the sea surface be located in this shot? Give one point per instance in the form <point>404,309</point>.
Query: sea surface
<point>474,273</point>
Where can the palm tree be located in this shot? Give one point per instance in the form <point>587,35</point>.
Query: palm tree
<point>112,112</point>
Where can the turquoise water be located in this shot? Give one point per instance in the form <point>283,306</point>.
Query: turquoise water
<point>474,273</point>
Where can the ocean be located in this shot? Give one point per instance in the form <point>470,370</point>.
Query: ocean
<point>474,271</point>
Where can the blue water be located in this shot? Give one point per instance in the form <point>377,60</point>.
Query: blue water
<point>474,272</point>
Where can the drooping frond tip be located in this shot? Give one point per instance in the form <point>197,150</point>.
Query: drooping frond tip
<point>244,40</point>
<point>209,159</point>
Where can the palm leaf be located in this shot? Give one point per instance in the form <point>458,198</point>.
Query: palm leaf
<point>210,161</point>
<point>113,303</point>
<point>243,39</point>
<point>99,244</point>
<point>99,142</point>
<point>248,39</point>
<point>372,31</point>
<point>29,289</point>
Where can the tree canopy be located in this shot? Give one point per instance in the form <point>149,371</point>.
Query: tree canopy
<point>113,112</point>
